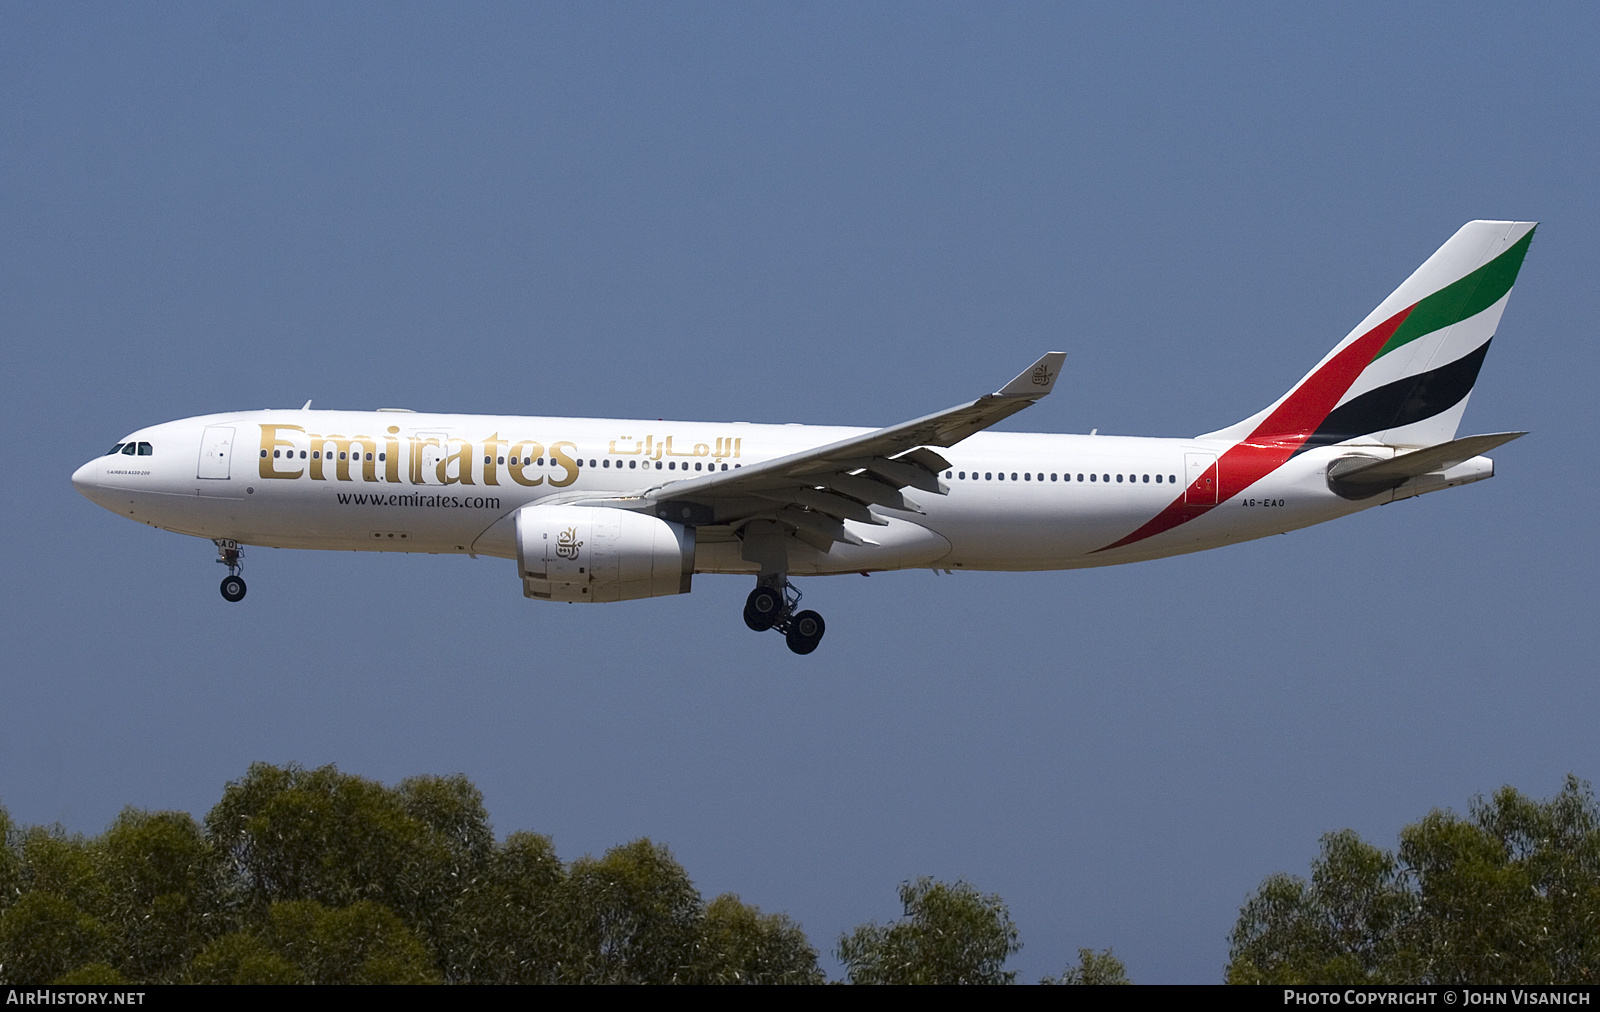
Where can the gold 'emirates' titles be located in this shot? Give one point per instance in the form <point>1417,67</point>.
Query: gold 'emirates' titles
<point>453,463</point>
<point>452,459</point>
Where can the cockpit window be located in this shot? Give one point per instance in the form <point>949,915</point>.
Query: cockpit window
<point>130,449</point>
<point>145,449</point>
<point>114,449</point>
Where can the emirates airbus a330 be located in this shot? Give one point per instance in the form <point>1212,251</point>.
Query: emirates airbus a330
<point>604,510</point>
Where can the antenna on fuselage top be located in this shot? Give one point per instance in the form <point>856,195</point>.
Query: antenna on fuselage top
<point>306,406</point>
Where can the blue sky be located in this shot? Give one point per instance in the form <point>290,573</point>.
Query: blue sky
<point>849,214</point>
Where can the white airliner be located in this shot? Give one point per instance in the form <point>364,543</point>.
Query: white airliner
<point>601,509</point>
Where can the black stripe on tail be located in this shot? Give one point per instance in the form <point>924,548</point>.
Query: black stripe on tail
<point>1402,402</point>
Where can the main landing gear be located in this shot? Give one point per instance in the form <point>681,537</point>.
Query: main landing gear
<point>771,606</point>
<point>231,555</point>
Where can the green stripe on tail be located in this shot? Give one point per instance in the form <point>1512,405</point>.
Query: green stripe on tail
<point>1462,299</point>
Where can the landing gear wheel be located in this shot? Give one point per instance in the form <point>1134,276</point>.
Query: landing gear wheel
<point>805,632</point>
<point>763,608</point>
<point>232,588</point>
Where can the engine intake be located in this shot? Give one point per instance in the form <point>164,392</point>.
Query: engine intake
<point>595,553</point>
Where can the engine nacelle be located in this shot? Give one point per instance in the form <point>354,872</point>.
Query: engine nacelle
<point>594,553</point>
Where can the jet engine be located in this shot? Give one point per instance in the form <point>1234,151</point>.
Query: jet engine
<point>596,553</point>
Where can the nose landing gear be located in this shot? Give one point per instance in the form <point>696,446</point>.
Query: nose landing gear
<point>771,606</point>
<point>231,555</point>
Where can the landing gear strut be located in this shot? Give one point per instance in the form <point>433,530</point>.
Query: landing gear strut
<point>231,555</point>
<point>771,606</point>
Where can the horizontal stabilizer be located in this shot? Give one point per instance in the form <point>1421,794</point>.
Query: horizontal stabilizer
<point>1355,474</point>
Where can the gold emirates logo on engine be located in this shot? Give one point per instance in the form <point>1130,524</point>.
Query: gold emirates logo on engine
<point>567,543</point>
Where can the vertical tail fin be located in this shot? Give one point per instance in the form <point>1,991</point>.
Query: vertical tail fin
<point>1403,375</point>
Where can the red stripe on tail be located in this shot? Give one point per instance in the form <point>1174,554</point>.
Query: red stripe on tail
<point>1279,435</point>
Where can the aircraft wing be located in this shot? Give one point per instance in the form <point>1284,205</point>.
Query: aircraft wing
<point>815,490</point>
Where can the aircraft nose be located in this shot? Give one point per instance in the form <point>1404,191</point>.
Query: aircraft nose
<point>82,478</point>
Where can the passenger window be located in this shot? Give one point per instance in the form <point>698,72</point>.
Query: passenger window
<point>1147,479</point>
<point>1119,479</point>
<point>947,474</point>
<point>303,455</point>
<point>1027,477</point>
<point>633,463</point>
<point>963,475</point>
<point>369,456</point>
<point>1105,477</point>
<point>1172,478</point>
<point>988,476</point>
<point>1158,479</point>
<point>1094,477</point>
<point>1052,476</point>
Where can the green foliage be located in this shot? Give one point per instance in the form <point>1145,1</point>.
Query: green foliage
<point>296,834</point>
<point>1093,968</point>
<point>43,936</point>
<point>304,942</point>
<point>741,945</point>
<point>631,917</point>
<point>316,876</point>
<point>1510,895</point>
<point>506,930</point>
<point>10,862</point>
<point>951,934</point>
<point>55,862</point>
<point>242,957</point>
<point>159,876</point>
<point>363,943</point>
<point>90,974</point>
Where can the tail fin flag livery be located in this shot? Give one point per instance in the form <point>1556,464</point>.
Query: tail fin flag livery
<point>609,509</point>
<point>1401,378</point>
<point>1403,375</point>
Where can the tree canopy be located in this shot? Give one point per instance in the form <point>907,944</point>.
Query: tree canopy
<point>1509,894</point>
<point>317,876</point>
<point>950,934</point>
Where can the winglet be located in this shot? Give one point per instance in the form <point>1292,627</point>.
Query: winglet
<point>1036,380</point>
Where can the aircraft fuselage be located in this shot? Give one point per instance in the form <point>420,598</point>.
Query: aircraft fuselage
<point>440,483</point>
